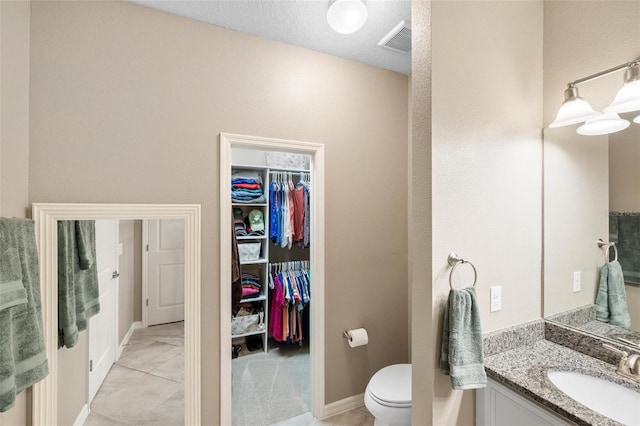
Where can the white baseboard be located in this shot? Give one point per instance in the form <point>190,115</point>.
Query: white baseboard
<point>82,417</point>
<point>343,405</point>
<point>134,326</point>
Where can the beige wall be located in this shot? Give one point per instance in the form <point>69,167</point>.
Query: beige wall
<point>127,105</point>
<point>14,136</point>
<point>487,177</point>
<point>72,390</point>
<point>576,189</point>
<point>130,280</point>
<point>14,107</point>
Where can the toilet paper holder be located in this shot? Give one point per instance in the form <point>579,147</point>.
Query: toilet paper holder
<point>345,334</point>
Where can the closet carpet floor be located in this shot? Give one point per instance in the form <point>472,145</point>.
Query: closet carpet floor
<point>271,387</point>
<point>146,385</point>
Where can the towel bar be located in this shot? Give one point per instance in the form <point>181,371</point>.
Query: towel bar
<point>455,260</point>
<point>601,243</point>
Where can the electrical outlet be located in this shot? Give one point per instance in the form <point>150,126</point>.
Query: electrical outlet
<point>577,281</point>
<point>496,298</point>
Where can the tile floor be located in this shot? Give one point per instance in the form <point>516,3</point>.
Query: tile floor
<point>356,417</point>
<point>146,385</point>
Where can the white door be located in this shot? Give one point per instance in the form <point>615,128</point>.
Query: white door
<point>165,288</point>
<point>102,327</point>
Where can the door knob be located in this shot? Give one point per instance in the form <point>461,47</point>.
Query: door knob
<point>115,275</point>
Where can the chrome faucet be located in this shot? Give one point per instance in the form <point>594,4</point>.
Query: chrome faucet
<point>629,365</point>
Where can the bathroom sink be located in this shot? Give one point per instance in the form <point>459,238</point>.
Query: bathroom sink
<point>607,398</point>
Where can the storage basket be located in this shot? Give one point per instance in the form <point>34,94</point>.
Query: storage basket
<point>244,324</point>
<point>288,160</point>
<point>249,251</point>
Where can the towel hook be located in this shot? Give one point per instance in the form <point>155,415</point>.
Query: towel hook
<point>609,245</point>
<point>455,260</point>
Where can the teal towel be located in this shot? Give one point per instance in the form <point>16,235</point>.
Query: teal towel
<point>12,291</point>
<point>624,229</point>
<point>85,237</point>
<point>611,301</point>
<point>78,292</point>
<point>23,360</point>
<point>461,355</point>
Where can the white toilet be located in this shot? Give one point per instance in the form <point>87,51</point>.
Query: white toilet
<point>388,396</point>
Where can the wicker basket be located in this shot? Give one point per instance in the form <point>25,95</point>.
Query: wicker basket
<point>249,251</point>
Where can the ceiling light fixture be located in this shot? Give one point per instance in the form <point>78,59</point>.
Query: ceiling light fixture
<point>347,16</point>
<point>575,110</point>
<point>637,119</point>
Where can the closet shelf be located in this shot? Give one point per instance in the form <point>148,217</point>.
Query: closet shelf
<point>253,262</point>
<point>249,237</point>
<point>249,204</point>
<point>251,333</point>
<point>253,299</point>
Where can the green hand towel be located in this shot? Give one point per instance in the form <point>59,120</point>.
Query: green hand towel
<point>461,354</point>
<point>12,291</point>
<point>628,241</point>
<point>78,292</point>
<point>23,360</point>
<point>611,301</point>
<point>85,238</point>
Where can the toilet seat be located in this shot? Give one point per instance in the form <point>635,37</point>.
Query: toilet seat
<point>391,386</point>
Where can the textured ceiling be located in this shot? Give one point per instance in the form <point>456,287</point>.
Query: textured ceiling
<point>303,23</point>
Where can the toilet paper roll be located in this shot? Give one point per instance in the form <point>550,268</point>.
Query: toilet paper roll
<point>357,337</point>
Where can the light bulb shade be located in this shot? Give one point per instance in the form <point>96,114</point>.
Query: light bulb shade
<point>573,110</point>
<point>603,125</point>
<point>628,97</point>
<point>637,119</point>
<point>347,16</point>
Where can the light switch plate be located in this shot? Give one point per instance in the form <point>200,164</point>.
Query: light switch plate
<point>577,281</point>
<point>496,298</point>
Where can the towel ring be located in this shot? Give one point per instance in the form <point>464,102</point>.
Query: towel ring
<point>609,245</point>
<point>455,260</point>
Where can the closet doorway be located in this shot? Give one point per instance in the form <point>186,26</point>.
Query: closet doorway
<point>236,152</point>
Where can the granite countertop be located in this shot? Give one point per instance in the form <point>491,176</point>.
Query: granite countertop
<point>524,369</point>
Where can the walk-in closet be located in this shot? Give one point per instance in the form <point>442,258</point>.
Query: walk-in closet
<point>271,285</point>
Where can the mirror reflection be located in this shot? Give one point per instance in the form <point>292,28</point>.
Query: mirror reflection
<point>121,321</point>
<point>601,295</point>
<point>591,174</point>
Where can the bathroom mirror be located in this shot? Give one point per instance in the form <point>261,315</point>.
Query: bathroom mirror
<point>587,177</point>
<point>45,397</point>
<point>583,194</point>
<point>587,181</point>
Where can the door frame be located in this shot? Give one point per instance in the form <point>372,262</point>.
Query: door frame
<point>316,151</point>
<point>46,215</point>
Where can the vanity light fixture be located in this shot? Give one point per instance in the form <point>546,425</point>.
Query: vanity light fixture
<point>576,110</point>
<point>628,97</point>
<point>603,125</point>
<point>347,16</point>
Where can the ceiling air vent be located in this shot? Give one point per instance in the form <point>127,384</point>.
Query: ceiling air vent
<point>399,39</point>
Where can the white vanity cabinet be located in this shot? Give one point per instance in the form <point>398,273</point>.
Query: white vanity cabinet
<point>497,405</point>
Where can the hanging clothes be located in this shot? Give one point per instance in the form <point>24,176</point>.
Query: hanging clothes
<point>236,273</point>
<point>289,212</point>
<point>290,295</point>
